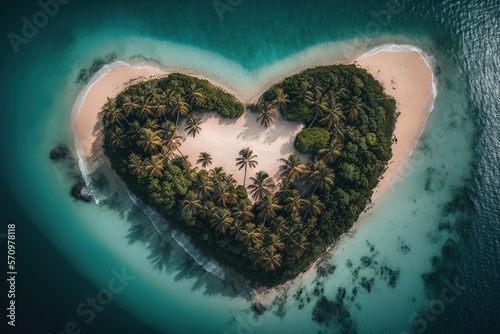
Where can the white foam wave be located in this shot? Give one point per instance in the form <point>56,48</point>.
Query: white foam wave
<point>429,61</point>
<point>162,227</point>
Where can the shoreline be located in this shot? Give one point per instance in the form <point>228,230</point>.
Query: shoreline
<point>382,62</point>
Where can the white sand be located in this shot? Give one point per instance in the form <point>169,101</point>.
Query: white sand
<point>407,78</point>
<point>223,139</point>
<point>87,125</point>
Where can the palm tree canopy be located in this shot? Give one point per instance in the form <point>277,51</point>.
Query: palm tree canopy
<point>332,152</point>
<point>267,207</point>
<point>194,94</point>
<point>245,160</point>
<point>205,159</point>
<point>149,141</point>
<point>267,113</point>
<point>320,176</point>
<point>280,101</point>
<point>292,167</point>
<point>262,186</point>
<point>193,125</point>
<point>154,166</point>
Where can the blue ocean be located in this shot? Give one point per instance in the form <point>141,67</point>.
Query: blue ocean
<point>425,260</point>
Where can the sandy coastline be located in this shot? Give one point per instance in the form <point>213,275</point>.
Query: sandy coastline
<point>404,75</point>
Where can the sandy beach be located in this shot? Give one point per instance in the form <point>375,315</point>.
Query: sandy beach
<point>406,77</point>
<point>87,125</point>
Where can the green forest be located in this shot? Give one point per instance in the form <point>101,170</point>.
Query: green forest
<point>268,229</point>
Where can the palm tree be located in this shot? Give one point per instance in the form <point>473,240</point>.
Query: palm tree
<point>193,126</point>
<point>129,105</point>
<point>151,87</point>
<point>267,113</point>
<point>320,176</point>
<point>304,77</point>
<point>275,241</point>
<point>165,154</point>
<point>226,195</point>
<point>299,246</point>
<point>339,131</point>
<point>294,203</point>
<point>243,212</point>
<point>267,208</point>
<point>192,202</point>
<point>316,85</point>
<point>250,235</point>
<point>318,103</point>
<point>354,109</point>
<point>154,166</point>
<point>256,254</point>
<point>135,164</point>
<point>271,259</point>
<point>152,124</point>
<point>313,207</point>
<point>284,189</point>
<point>245,160</point>
<point>222,220</point>
<point>329,154</point>
<point>173,141</point>
<point>179,107</point>
<point>280,225</point>
<point>112,113</point>
<point>217,174</point>
<point>204,186</point>
<point>208,210</point>
<point>205,159</point>
<point>159,107</point>
<point>229,180</point>
<point>118,138</point>
<point>194,94</point>
<point>149,141</point>
<point>280,101</point>
<point>303,90</point>
<point>292,236</point>
<point>134,131</point>
<point>168,128</point>
<point>332,116</point>
<point>262,186</point>
<point>292,168</point>
<point>145,109</point>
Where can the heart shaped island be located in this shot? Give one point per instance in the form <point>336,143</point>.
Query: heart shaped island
<point>263,187</point>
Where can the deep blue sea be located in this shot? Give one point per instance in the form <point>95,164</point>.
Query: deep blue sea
<point>426,260</point>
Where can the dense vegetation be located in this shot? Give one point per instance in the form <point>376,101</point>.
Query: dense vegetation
<point>268,229</point>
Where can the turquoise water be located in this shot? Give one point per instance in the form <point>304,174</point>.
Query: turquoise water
<point>70,249</point>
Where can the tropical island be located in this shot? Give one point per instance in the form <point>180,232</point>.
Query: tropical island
<point>269,229</point>
<point>266,186</point>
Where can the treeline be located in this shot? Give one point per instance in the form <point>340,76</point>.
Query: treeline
<point>269,229</point>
